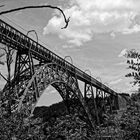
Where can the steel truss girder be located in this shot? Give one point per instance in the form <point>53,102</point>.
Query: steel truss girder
<point>71,100</point>
<point>106,101</point>
<point>18,40</point>
<point>24,61</point>
<point>89,94</point>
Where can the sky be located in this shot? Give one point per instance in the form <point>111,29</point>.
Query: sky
<point>97,37</point>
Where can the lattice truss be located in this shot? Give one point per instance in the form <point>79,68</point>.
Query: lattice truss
<point>30,81</point>
<point>26,93</point>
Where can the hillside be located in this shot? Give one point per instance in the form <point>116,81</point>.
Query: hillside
<point>55,110</point>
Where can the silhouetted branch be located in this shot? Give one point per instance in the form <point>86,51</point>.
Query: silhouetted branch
<point>39,6</point>
<point>1,55</point>
<point>1,63</point>
<point>2,5</point>
<point>3,77</point>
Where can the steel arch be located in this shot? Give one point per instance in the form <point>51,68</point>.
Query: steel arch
<point>57,76</point>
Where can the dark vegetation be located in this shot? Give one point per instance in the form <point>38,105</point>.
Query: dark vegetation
<point>59,125</point>
<point>124,125</point>
<point>54,111</point>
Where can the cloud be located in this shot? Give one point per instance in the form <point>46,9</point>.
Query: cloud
<point>91,17</point>
<point>112,34</point>
<point>114,82</point>
<point>121,63</point>
<point>123,53</point>
<point>67,46</point>
<point>130,89</point>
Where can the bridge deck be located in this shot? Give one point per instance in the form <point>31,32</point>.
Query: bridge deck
<point>20,41</point>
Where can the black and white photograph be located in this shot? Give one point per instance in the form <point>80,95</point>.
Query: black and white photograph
<point>69,69</point>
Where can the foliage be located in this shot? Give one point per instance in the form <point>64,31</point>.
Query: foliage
<point>55,110</point>
<point>52,123</point>
<point>130,123</point>
<point>69,126</point>
<point>125,127</point>
<point>18,127</point>
<point>133,60</point>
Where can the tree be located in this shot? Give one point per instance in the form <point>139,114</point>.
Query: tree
<point>133,60</point>
<point>1,61</point>
<point>8,53</point>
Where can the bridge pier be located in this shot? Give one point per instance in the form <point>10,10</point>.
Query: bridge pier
<point>24,62</point>
<point>89,94</point>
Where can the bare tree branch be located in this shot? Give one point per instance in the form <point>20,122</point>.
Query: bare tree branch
<point>1,55</point>
<point>2,5</point>
<point>39,6</point>
<point>1,63</point>
<point>3,77</point>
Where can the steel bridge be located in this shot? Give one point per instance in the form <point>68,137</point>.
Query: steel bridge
<point>36,67</point>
